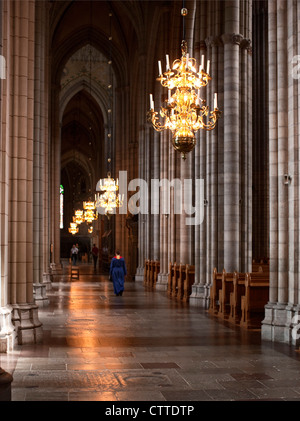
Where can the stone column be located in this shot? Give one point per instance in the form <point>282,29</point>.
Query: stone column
<point>231,152</point>
<point>41,283</point>
<point>7,331</point>
<point>155,218</point>
<point>6,326</point>
<point>246,156</point>
<point>142,246</point>
<point>162,279</point>
<point>185,245</point>
<point>279,322</point>
<point>21,124</point>
<point>199,291</point>
<point>172,217</point>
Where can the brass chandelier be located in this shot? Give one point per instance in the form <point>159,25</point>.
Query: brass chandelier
<point>73,229</point>
<point>109,199</point>
<point>185,112</point>
<point>90,213</point>
<point>79,217</point>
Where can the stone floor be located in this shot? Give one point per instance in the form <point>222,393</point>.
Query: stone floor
<point>144,347</point>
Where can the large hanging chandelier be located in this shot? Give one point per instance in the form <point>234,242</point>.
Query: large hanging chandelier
<point>185,112</point>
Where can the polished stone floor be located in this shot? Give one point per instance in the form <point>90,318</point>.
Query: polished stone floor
<point>143,347</point>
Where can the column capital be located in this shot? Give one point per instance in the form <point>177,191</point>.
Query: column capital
<point>232,38</point>
<point>213,41</point>
<point>246,44</point>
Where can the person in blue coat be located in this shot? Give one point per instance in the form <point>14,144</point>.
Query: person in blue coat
<point>117,273</point>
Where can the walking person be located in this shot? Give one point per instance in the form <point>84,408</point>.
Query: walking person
<point>74,254</point>
<point>95,253</point>
<point>117,273</point>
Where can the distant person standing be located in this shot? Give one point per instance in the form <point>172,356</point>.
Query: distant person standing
<point>74,254</point>
<point>117,273</point>
<point>78,252</point>
<point>95,253</point>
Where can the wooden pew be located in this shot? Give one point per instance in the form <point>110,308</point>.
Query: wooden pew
<point>156,272</point>
<point>188,282</point>
<point>180,280</point>
<point>260,266</point>
<point>185,282</point>
<point>175,280</point>
<point>214,292</point>
<point>254,300</point>
<point>146,272</point>
<point>224,294</point>
<point>235,297</point>
<point>170,279</point>
<point>151,273</point>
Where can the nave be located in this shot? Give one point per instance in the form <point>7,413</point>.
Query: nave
<point>143,347</point>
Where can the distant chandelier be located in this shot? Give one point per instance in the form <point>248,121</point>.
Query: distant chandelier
<point>73,228</point>
<point>89,205</point>
<point>185,111</point>
<point>109,199</point>
<point>90,213</point>
<point>79,217</point>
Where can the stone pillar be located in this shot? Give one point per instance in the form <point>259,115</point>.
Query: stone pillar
<point>279,322</point>
<point>142,246</point>
<point>185,250</point>
<point>200,292</point>
<point>54,179</point>
<point>7,330</point>
<point>162,279</point>
<point>246,157</point>
<point>39,164</point>
<point>155,218</point>
<point>21,124</point>
<point>231,152</point>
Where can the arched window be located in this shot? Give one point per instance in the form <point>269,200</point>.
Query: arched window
<point>61,210</point>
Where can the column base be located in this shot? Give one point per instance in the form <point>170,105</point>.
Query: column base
<point>139,276</point>
<point>5,385</point>
<point>7,330</point>
<point>56,268</point>
<point>47,280</point>
<point>281,324</point>
<point>162,282</point>
<point>40,295</point>
<point>200,296</point>
<point>29,328</point>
